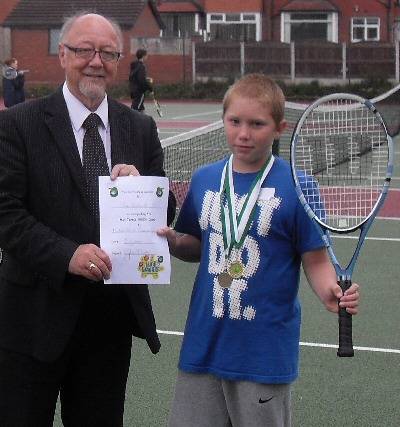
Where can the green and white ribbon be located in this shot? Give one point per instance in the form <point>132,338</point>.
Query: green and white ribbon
<point>235,228</point>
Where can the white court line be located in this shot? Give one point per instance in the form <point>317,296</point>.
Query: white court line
<point>310,344</point>
<point>207,113</point>
<point>167,132</point>
<point>375,349</point>
<point>380,239</point>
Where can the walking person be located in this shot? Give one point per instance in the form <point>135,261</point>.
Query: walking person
<point>139,83</point>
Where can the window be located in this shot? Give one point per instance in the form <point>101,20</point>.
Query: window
<point>215,17</point>
<point>179,24</point>
<point>309,26</point>
<point>365,29</point>
<point>234,26</point>
<point>54,36</point>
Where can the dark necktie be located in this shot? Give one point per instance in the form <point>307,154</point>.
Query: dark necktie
<point>94,160</point>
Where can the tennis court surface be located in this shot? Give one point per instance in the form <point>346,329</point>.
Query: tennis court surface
<point>359,392</point>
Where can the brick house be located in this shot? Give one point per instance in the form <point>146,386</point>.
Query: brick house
<point>29,28</point>
<point>34,28</point>
<point>335,20</point>
<point>285,20</point>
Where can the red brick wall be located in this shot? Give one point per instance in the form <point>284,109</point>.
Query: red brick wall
<point>223,6</point>
<point>31,48</point>
<point>169,68</point>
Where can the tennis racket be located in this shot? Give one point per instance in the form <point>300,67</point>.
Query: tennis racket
<point>341,158</point>
<point>157,106</point>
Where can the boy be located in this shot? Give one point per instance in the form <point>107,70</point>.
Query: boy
<point>139,83</point>
<point>243,221</point>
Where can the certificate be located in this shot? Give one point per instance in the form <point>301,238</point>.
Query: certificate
<point>132,208</point>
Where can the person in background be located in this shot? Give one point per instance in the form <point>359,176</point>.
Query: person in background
<point>13,83</point>
<point>63,332</point>
<point>245,224</point>
<point>139,83</point>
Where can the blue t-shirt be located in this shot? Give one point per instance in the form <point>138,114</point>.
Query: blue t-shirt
<point>251,330</point>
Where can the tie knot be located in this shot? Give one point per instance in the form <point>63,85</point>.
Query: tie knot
<point>91,121</point>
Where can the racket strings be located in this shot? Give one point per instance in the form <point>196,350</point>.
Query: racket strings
<point>341,157</point>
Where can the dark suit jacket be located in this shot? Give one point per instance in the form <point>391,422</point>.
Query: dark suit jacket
<point>44,216</point>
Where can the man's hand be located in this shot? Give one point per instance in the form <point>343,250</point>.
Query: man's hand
<point>91,262</point>
<point>123,170</point>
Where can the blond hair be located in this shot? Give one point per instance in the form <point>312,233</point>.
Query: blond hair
<point>261,88</point>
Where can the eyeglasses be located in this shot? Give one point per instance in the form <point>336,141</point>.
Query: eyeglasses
<point>89,54</point>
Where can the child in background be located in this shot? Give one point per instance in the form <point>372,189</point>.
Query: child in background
<point>13,83</point>
<point>243,221</point>
<point>139,83</point>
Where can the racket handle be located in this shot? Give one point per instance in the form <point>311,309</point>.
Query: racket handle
<point>345,327</point>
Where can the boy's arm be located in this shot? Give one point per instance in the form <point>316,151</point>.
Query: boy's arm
<point>182,246</point>
<point>322,278</point>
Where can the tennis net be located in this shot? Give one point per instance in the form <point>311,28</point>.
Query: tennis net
<point>186,152</point>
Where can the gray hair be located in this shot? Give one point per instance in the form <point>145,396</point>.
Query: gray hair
<point>70,21</point>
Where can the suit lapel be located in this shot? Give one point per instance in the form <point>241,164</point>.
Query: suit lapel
<point>59,124</point>
<point>122,147</point>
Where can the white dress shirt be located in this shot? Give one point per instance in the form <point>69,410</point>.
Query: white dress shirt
<point>78,113</point>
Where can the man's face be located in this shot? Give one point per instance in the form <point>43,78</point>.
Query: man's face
<point>87,78</point>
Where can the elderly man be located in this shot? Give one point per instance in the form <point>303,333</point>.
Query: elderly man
<point>62,331</point>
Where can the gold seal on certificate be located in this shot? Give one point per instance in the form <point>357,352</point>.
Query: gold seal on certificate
<point>224,279</point>
<point>236,269</point>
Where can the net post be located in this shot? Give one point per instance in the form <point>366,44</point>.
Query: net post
<point>242,65</point>
<point>397,71</point>
<point>292,62</point>
<point>193,62</point>
<point>344,61</point>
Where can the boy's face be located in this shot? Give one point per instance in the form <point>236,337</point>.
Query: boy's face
<point>250,131</point>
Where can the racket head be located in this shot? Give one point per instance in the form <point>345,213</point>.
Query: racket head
<point>342,160</point>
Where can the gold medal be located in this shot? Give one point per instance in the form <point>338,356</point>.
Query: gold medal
<point>236,269</point>
<point>224,279</point>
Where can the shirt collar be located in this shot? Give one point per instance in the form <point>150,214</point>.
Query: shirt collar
<point>78,112</point>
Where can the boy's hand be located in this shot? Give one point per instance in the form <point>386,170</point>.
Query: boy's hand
<point>171,236</point>
<point>348,300</point>
<point>181,245</point>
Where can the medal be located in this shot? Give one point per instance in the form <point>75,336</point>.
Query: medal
<point>224,279</point>
<point>236,269</point>
<point>236,227</point>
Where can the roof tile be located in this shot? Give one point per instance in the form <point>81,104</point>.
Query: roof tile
<point>51,13</point>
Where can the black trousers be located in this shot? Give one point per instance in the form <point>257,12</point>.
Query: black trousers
<point>90,377</point>
<point>138,102</point>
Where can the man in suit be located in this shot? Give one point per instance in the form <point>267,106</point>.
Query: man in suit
<point>62,331</point>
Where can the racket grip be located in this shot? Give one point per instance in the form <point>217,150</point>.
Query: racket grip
<point>345,327</point>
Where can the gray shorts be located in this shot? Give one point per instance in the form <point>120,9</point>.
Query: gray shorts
<point>203,400</point>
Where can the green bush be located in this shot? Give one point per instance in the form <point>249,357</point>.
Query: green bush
<point>215,90</point>
<point>39,90</point>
